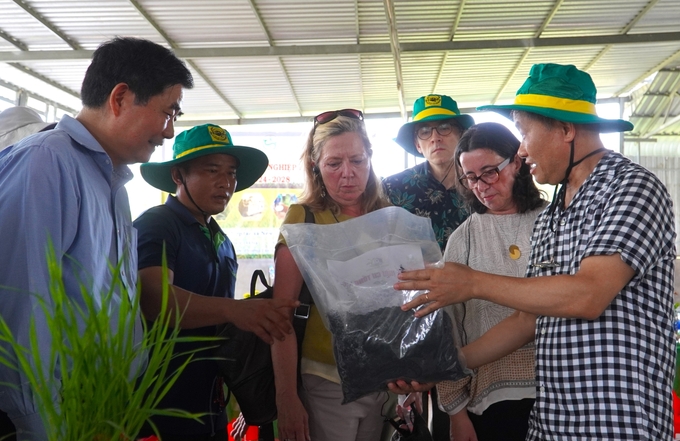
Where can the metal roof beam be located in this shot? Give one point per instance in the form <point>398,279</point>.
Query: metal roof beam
<point>526,53</point>
<point>191,63</point>
<point>271,44</point>
<point>357,28</point>
<point>649,72</point>
<point>625,30</point>
<point>639,16</point>
<point>187,122</point>
<point>452,34</point>
<point>13,41</point>
<point>658,94</point>
<point>556,7</point>
<point>371,48</point>
<point>44,79</point>
<point>668,101</point>
<point>662,127</point>
<point>23,47</point>
<point>396,55</point>
<point>184,122</point>
<point>39,97</point>
<point>58,32</point>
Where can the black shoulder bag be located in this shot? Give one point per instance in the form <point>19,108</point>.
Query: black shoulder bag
<point>245,361</point>
<point>420,430</point>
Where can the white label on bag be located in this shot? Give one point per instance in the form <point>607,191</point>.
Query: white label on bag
<point>378,267</point>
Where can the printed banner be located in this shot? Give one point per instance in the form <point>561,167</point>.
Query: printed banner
<point>253,217</point>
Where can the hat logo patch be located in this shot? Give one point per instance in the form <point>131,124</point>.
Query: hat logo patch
<point>433,100</point>
<point>217,134</point>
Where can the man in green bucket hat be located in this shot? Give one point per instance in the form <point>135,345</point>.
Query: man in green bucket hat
<point>206,169</point>
<point>428,189</point>
<point>600,277</point>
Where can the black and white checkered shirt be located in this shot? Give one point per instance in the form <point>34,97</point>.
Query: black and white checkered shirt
<point>609,378</point>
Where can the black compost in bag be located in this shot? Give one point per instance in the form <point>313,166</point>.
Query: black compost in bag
<point>350,268</point>
<point>387,344</point>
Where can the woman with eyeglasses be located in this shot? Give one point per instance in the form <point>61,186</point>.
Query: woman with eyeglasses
<point>339,184</point>
<point>494,403</point>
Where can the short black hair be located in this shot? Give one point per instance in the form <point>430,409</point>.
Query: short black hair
<point>498,138</point>
<point>146,67</point>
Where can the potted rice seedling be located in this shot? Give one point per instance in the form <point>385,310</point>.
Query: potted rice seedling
<point>109,384</point>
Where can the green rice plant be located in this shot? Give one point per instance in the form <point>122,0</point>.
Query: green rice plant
<point>109,384</point>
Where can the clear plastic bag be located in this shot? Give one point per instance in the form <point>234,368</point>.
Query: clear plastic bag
<point>350,269</point>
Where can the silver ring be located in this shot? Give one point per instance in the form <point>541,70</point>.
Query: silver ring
<point>427,298</point>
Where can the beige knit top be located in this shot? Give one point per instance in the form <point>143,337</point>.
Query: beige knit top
<point>498,244</point>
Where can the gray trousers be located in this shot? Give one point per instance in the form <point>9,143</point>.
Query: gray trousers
<point>329,420</point>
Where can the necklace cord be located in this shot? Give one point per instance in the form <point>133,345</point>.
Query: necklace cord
<point>561,189</point>
<point>448,170</point>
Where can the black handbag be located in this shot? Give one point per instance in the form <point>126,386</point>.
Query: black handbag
<point>244,360</point>
<point>420,431</point>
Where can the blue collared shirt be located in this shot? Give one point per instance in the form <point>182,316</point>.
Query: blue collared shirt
<point>61,186</point>
<point>201,268</point>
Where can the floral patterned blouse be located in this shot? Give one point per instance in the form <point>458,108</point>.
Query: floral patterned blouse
<point>418,191</point>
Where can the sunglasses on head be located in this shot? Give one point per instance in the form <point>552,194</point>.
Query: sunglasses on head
<point>323,118</point>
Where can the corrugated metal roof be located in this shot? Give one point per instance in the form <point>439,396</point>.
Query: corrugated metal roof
<point>656,110</point>
<point>293,58</point>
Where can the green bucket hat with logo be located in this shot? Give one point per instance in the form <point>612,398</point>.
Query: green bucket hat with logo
<point>203,140</point>
<point>430,108</point>
<point>560,92</point>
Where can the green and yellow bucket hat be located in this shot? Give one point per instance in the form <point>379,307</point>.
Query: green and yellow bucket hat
<point>560,92</point>
<point>430,108</point>
<point>203,140</point>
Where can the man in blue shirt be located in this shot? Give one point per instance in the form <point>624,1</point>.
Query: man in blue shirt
<point>65,186</point>
<point>206,170</point>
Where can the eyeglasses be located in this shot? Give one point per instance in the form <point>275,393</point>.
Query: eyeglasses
<point>424,132</point>
<point>488,177</point>
<point>323,118</point>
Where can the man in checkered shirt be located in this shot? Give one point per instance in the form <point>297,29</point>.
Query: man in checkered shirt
<point>600,277</point>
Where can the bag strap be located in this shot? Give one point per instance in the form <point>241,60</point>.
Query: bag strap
<point>305,296</point>
<point>309,216</point>
<point>257,274</point>
<point>301,313</point>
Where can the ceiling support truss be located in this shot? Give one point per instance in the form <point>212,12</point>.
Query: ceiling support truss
<point>396,55</point>
<point>282,66</point>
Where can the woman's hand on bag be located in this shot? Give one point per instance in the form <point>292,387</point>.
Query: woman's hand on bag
<point>414,399</point>
<point>401,387</point>
<point>293,420</point>
<point>269,319</point>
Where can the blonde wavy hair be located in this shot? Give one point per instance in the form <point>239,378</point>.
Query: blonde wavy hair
<point>314,194</point>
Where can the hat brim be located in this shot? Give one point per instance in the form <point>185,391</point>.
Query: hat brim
<point>252,165</point>
<point>604,125</point>
<point>405,136</point>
